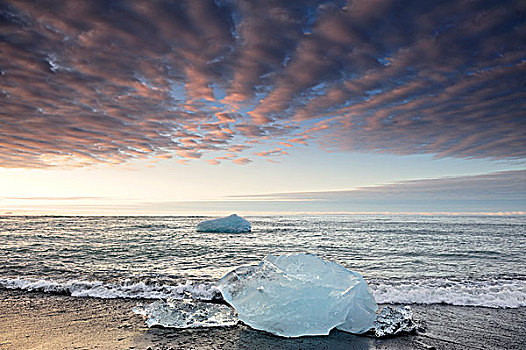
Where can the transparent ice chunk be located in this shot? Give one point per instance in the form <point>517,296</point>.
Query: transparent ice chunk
<point>393,321</point>
<point>293,295</point>
<point>187,314</point>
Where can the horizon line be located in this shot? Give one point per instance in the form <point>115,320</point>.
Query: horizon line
<point>271,213</point>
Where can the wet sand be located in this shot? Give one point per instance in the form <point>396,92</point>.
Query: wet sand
<point>45,321</point>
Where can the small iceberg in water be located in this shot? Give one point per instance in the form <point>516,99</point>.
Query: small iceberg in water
<point>229,224</point>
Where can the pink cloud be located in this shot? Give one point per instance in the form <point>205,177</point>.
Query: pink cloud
<point>276,151</point>
<point>242,161</point>
<point>80,87</point>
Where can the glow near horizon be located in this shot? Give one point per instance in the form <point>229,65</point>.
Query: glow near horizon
<point>142,187</point>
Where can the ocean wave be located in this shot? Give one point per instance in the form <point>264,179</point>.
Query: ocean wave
<point>494,294</point>
<point>98,289</point>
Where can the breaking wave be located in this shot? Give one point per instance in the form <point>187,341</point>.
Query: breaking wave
<point>97,289</point>
<point>493,294</point>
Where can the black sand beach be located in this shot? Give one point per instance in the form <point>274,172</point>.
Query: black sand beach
<point>45,321</point>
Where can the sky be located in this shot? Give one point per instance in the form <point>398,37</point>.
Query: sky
<point>200,107</point>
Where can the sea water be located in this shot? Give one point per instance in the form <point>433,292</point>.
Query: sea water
<point>457,260</point>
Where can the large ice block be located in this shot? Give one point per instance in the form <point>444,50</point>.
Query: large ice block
<point>294,295</point>
<point>229,224</point>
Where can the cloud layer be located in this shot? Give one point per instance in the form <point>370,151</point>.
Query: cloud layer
<point>504,185</point>
<point>86,82</point>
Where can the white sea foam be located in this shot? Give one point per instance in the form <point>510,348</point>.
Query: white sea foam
<point>97,289</point>
<point>495,294</point>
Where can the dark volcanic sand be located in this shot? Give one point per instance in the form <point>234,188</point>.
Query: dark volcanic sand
<point>43,321</point>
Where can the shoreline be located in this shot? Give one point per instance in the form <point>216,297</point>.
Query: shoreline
<point>47,321</point>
